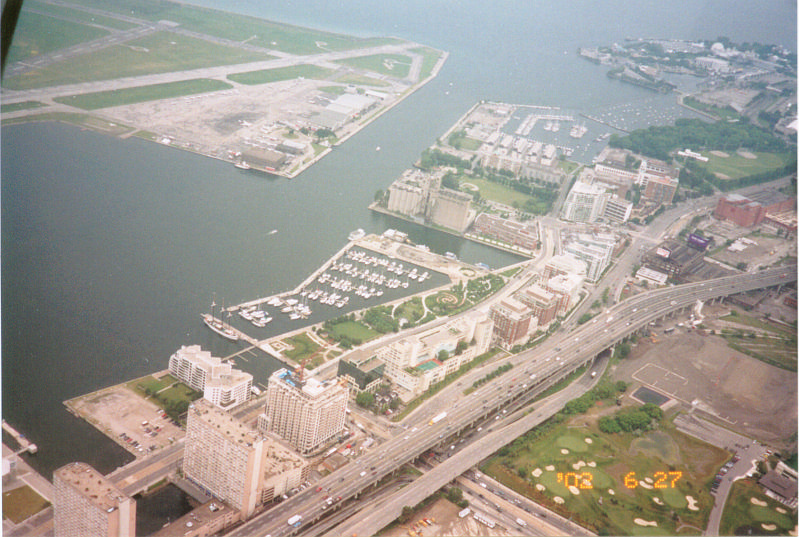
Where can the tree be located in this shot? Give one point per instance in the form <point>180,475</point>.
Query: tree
<point>623,350</point>
<point>365,399</point>
<point>443,355</point>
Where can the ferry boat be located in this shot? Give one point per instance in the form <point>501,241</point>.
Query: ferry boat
<point>242,165</point>
<point>219,327</point>
<point>357,234</point>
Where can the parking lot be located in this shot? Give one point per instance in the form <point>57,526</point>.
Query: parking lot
<point>138,425</point>
<point>703,372</point>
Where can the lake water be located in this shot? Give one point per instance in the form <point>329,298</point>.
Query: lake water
<point>112,248</point>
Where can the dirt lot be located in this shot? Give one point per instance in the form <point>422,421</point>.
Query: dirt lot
<point>748,395</point>
<point>445,515</point>
<point>117,410</point>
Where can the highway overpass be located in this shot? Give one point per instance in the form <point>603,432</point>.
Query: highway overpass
<point>535,369</point>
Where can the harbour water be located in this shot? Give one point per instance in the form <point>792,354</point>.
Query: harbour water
<point>112,248</point>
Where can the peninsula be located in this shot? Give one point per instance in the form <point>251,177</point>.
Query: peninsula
<point>258,94</point>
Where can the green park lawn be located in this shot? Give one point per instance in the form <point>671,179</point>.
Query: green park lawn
<point>354,330</point>
<point>735,166</point>
<point>105,99</point>
<point>303,347</point>
<point>495,191</point>
<point>21,503</point>
<point>412,310</point>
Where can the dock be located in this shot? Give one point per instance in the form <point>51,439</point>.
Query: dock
<point>24,443</point>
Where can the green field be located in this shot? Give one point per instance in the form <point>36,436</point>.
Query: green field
<point>741,516</point>
<point>78,15</point>
<point>496,192</point>
<point>736,166</point>
<point>237,27</point>
<point>303,347</point>
<point>21,503</point>
<point>395,65</point>
<point>430,58</point>
<point>354,330</point>
<point>37,34</point>
<point>150,384</point>
<point>156,53</point>
<point>361,80</point>
<point>412,310</point>
<point>105,99</point>
<point>618,477</point>
<point>27,105</point>
<point>281,73</point>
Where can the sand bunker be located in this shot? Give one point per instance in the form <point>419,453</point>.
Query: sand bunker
<point>577,465</point>
<point>692,503</point>
<point>642,522</point>
<point>574,490</point>
<point>540,487</point>
<point>721,154</point>
<point>648,480</point>
<point>592,464</point>
<point>537,472</point>
<point>746,154</point>
<point>564,451</point>
<point>550,468</point>
<point>645,484</point>
<point>758,502</point>
<point>588,441</point>
<point>768,527</point>
<point>558,499</point>
<point>611,492</point>
<point>781,510</point>
<point>657,500</point>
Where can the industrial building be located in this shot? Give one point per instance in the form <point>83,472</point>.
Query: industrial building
<point>86,504</point>
<point>674,258</point>
<point>751,210</point>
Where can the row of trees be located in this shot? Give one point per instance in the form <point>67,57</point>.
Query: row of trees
<point>380,319</point>
<point>495,373</point>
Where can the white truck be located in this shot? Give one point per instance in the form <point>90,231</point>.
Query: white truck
<point>437,418</point>
<point>295,521</point>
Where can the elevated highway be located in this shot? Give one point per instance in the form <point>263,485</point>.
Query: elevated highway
<point>535,369</point>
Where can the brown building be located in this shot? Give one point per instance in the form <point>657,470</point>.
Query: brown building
<point>660,189</point>
<point>86,504</point>
<point>208,519</point>
<point>748,211</point>
<point>543,303</point>
<point>512,321</point>
<point>523,235</point>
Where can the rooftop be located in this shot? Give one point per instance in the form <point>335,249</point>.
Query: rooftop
<point>233,429</point>
<point>92,484</point>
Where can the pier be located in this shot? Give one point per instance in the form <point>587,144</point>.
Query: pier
<point>23,442</point>
<point>602,122</point>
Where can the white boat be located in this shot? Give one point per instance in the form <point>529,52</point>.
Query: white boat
<point>242,165</point>
<point>219,327</point>
<point>357,234</point>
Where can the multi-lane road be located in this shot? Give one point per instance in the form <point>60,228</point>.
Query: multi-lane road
<point>537,368</point>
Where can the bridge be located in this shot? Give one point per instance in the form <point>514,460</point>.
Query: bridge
<point>540,368</point>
